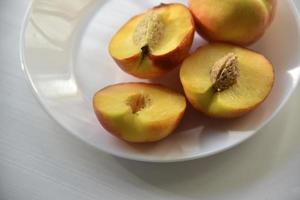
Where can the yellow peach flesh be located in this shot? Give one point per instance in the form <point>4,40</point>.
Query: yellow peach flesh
<point>170,50</point>
<point>253,84</point>
<point>174,18</point>
<point>139,112</point>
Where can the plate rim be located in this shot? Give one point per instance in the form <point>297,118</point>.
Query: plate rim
<point>133,157</point>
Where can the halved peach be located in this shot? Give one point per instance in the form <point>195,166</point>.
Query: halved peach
<point>152,43</point>
<point>226,81</point>
<point>139,112</point>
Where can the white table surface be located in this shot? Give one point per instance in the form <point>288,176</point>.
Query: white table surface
<point>39,160</point>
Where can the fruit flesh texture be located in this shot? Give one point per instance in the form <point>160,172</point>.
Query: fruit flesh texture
<point>139,112</point>
<point>178,32</point>
<point>234,21</point>
<point>253,85</point>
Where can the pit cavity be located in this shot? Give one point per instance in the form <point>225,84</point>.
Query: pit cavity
<point>138,102</point>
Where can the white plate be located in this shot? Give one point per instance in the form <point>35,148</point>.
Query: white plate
<point>64,54</point>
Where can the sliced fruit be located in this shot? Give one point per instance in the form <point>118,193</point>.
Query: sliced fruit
<point>239,22</point>
<point>152,43</point>
<point>139,112</point>
<point>205,73</point>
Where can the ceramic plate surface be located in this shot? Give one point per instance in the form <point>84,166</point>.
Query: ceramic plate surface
<point>65,57</point>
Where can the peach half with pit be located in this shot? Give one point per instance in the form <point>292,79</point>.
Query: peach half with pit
<point>226,81</point>
<point>152,43</point>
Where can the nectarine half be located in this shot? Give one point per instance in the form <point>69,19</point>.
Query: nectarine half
<point>226,81</point>
<point>139,112</point>
<point>152,43</point>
